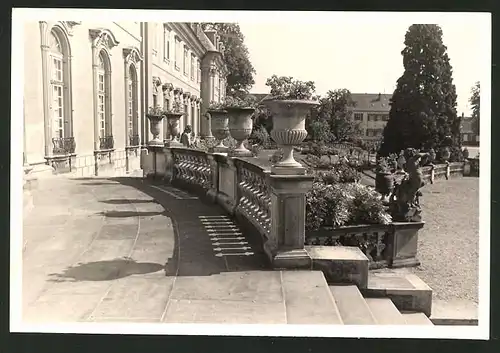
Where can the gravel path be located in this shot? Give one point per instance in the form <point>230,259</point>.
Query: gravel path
<point>448,243</point>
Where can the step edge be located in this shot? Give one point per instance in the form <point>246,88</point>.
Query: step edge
<point>365,304</point>
<point>394,309</point>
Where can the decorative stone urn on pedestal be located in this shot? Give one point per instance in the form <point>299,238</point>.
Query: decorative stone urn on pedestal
<point>240,128</point>
<point>155,117</point>
<point>173,124</point>
<point>289,130</point>
<point>219,124</point>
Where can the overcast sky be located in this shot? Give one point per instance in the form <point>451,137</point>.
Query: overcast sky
<point>362,57</point>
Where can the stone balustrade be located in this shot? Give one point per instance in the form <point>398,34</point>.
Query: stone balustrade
<point>267,205</point>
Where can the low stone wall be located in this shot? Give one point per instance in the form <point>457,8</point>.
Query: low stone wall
<point>444,171</point>
<point>392,245</point>
<point>101,163</point>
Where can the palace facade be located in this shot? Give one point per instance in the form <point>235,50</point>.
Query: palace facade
<point>88,87</point>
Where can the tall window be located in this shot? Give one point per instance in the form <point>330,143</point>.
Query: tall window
<point>185,61</point>
<point>177,53</point>
<point>57,87</point>
<point>193,59</point>
<point>103,97</point>
<point>132,105</point>
<point>166,47</point>
<point>198,71</point>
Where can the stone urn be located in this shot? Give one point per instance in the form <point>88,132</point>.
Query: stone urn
<point>173,124</point>
<point>444,154</point>
<point>289,130</point>
<point>240,127</point>
<point>154,127</point>
<point>219,124</point>
<point>384,183</point>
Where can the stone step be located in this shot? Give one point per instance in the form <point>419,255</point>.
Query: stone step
<point>308,299</point>
<point>385,312</point>
<point>340,264</point>
<point>406,290</point>
<point>352,306</point>
<point>454,312</point>
<point>412,318</point>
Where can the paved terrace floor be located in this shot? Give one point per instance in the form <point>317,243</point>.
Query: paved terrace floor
<point>119,249</point>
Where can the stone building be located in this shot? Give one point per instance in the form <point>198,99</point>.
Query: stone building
<point>372,112</point>
<point>469,137</point>
<point>88,86</point>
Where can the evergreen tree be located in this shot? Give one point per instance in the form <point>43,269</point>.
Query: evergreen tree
<point>423,106</point>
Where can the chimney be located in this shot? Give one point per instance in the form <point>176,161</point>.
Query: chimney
<point>212,35</point>
<point>380,96</point>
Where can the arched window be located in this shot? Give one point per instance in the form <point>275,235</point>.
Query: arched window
<point>132,107</point>
<point>59,101</point>
<point>104,101</point>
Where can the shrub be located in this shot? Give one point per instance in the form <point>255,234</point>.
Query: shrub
<point>261,136</point>
<point>456,154</point>
<point>285,87</point>
<point>336,205</point>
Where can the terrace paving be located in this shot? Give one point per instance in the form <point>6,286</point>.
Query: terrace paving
<point>120,249</point>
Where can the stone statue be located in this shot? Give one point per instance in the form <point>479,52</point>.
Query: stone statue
<point>404,202</point>
<point>186,138</point>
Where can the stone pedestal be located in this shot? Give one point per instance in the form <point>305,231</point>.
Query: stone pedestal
<point>288,210</point>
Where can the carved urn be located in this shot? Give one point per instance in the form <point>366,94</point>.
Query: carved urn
<point>173,124</point>
<point>384,183</point>
<point>240,127</point>
<point>289,117</point>
<point>219,123</point>
<point>154,127</point>
<point>445,154</point>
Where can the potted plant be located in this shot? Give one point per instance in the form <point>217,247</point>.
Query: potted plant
<point>384,178</point>
<point>240,123</point>
<point>173,115</point>
<point>290,102</point>
<point>155,116</point>
<point>219,124</point>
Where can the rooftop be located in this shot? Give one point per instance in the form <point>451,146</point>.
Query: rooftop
<point>373,102</point>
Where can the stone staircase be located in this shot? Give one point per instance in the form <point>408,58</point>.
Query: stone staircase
<point>339,289</point>
<point>355,309</point>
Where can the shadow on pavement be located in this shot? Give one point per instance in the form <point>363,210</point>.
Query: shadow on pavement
<point>105,270</point>
<point>121,214</point>
<point>126,201</point>
<point>194,253</point>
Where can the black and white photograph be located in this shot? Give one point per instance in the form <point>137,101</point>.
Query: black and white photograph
<point>256,173</point>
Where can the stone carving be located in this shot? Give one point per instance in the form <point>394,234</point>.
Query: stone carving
<point>132,54</point>
<point>103,37</point>
<point>186,137</point>
<point>404,201</point>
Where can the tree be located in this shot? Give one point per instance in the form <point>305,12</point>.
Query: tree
<point>474,101</point>
<point>236,57</point>
<point>423,107</point>
<point>332,120</point>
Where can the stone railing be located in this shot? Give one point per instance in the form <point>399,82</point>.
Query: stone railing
<point>271,206</point>
<point>254,196</point>
<point>392,245</point>
<point>436,171</point>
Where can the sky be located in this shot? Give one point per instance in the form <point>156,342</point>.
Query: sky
<point>362,56</point>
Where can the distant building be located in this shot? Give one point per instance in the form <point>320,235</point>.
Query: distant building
<point>468,136</point>
<point>372,113</point>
